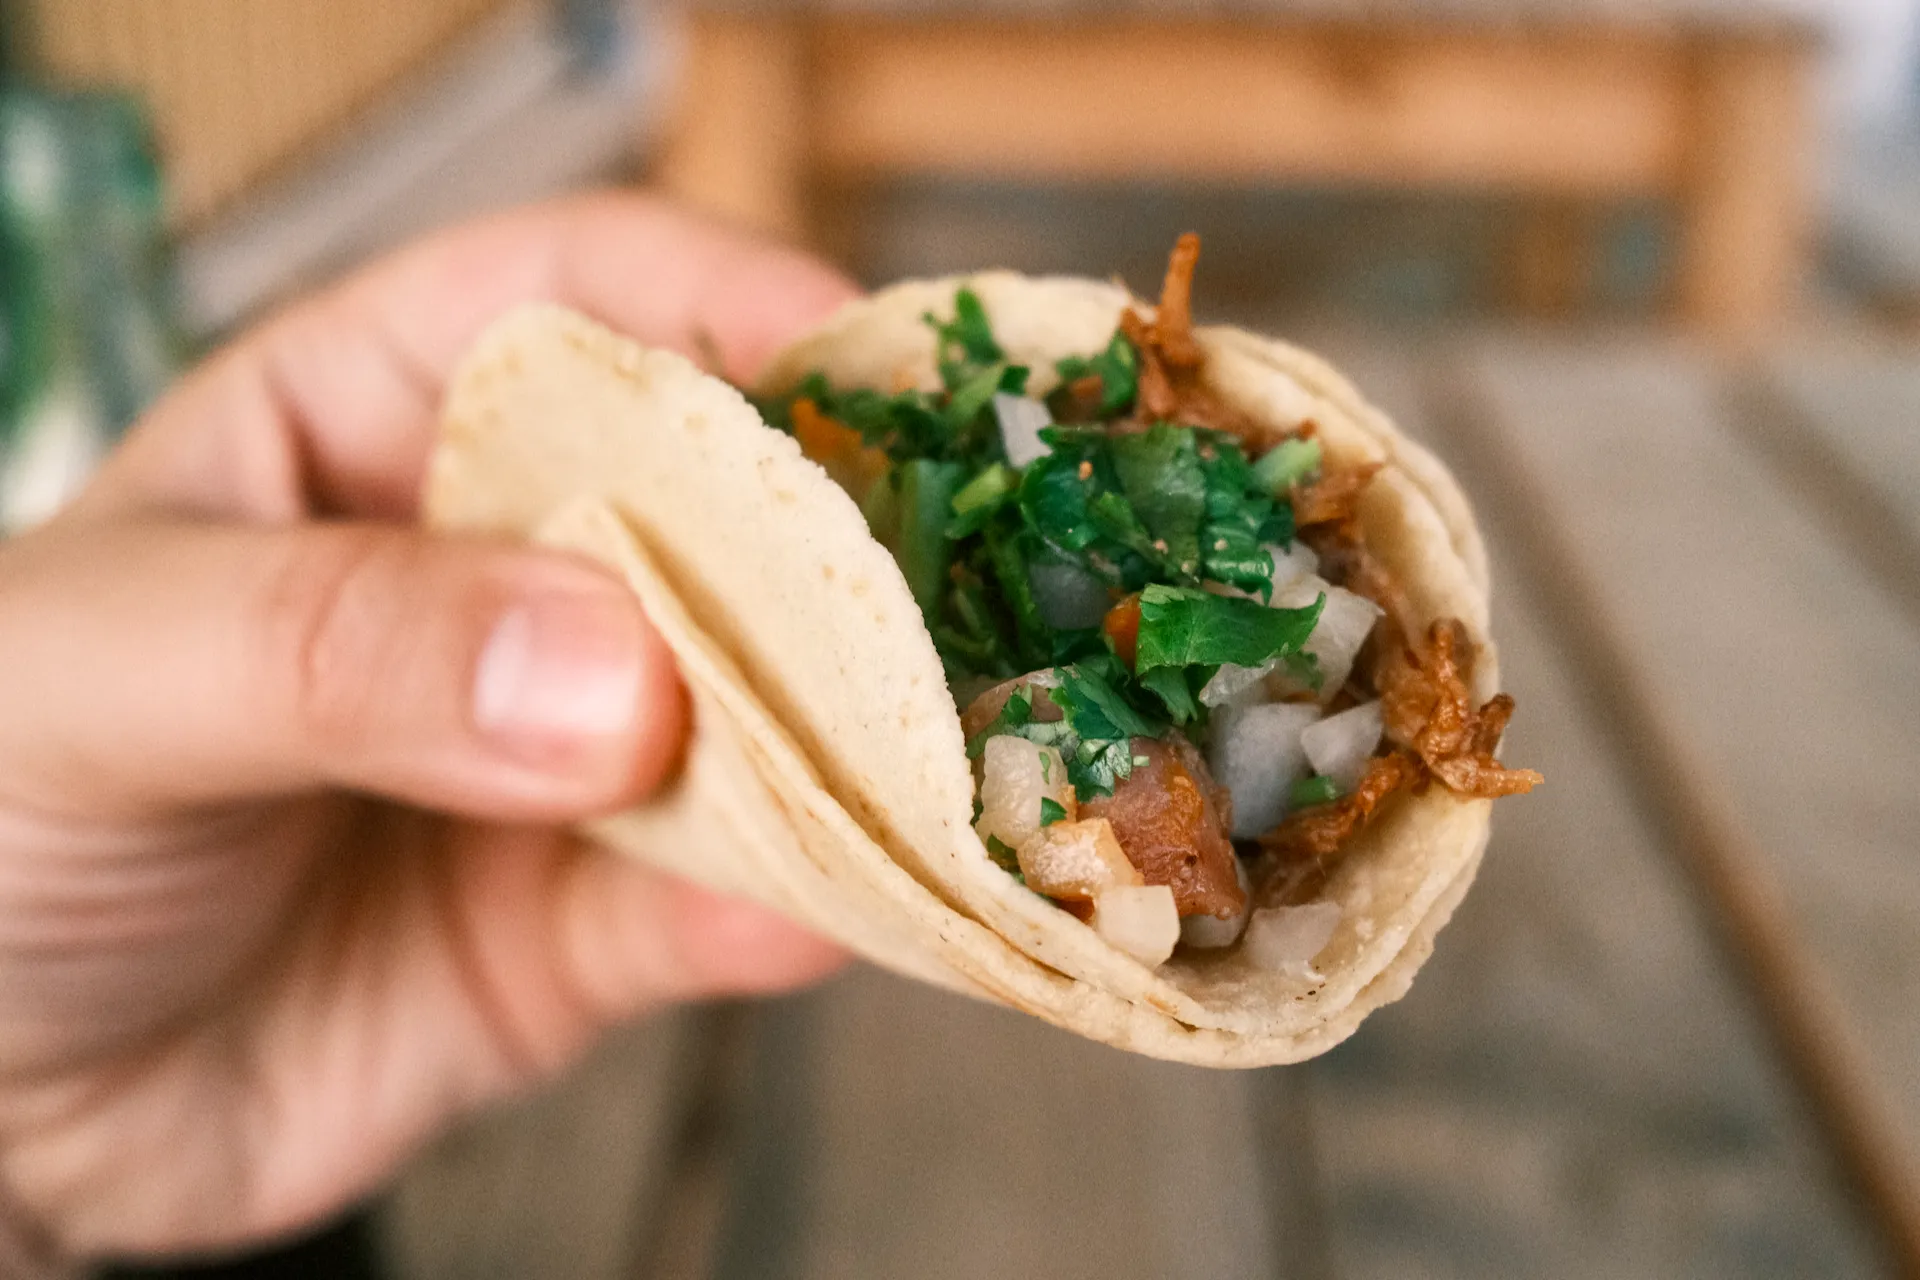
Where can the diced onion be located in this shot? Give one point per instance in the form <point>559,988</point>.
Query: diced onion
<point>1211,932</point>
<point>1340,745</point>
<point>1232,682</point>
<point>1076,860</point>
<point>1285,940</point>
<point>1292,563</point>
<point>1022,419</point>
<point>1140,920</point>
<point>1344,625</point>
<point>1256,754</point>
<point>1015,776</point>
<point>1068,596</point>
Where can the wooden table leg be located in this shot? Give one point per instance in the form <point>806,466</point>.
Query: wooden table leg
<point>1745,200</point>
<point>737,147</point>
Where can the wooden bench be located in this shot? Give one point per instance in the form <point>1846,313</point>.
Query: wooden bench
<point>1704,104</point>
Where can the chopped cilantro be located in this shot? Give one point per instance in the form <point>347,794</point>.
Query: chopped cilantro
<point>966,340</point>
<point>1175,689</point>
<point>1307,792</point>
<point>1004,855</point>
<point>980,497</point>
<point>1015,714</point>
<point>1118,368</point>
<point>926,504</point>
<point>1162,512</point>
<point>1182,626</point>
<point>1287,464</point>
<point>1051,810</point>
<point>1159,470</point>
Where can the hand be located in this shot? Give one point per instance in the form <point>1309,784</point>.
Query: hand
<point>283,885</point>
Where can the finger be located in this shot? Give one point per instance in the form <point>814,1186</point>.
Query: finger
<point>160,665</point>
<point>332,405</point>
<point>636,939</point>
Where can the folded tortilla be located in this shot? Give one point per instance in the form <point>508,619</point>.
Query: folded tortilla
<point>827,776</point>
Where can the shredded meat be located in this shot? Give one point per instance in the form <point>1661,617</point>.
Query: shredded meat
<point>1425,702</point>
<point>1319,832</point>
<point>1436,734</point>
<point>1172,819</point>
<point>1333,498</point>
<point>1170,385</point>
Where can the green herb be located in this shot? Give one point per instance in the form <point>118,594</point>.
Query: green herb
<point>1104,723</point>
<point>1117,367</point>
<point>1307,792</point>
<point>1181,626</point>
<point>926,504</point>
<point>1015,714</point>
<point>966,340</point>
<point>1175,688</point>
<point>1051,810</point>
<point>1159,470</point>
<point>1287,464</point>
<point>980,497</point>
<point>1004,855</point>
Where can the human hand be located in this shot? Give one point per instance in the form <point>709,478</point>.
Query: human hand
<point>283,880</point>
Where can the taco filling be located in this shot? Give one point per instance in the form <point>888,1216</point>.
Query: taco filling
<point>1184,683</point>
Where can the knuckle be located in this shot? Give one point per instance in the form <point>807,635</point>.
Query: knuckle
<point>330,614</point>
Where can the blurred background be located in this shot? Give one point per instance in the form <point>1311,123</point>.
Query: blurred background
<point>1645,272</point>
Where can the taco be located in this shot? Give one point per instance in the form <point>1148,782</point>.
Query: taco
<point>1042,645</point>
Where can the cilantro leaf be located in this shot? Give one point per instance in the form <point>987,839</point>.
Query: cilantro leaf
<point>1095,708</point>
<point>1015,714</point>
<point>1159,470</point>
<point>1003,853</point>
<point>1051,810</point>
<point>1174,689</point>
<point>964,342</point>
<point>1118,368</point>
<point>1182,627</point>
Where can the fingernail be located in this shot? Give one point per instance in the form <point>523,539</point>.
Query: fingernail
<point>558,672</point>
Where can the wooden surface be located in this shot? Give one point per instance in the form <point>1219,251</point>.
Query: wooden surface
<point>786,108</point>
<point>239,87</point>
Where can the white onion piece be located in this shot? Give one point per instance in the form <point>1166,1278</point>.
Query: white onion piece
<point>1256,754</point>
<point>1015,776</point>
<point>1292,563</point>
<point>1068,596</point>
<point>1076,860</point>
<point>1340,745</point>
<point>1022,419</point>
<point>1344,625</point>
<point>1285,940</point>
<point>1232,682</point>
<point>1209,933</point>
<point>1140,920</point>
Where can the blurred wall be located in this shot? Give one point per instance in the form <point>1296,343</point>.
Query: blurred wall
<point>1874,62</point>
<point>238,87</point>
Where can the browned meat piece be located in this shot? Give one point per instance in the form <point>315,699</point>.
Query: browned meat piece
<point>1333,497</point>
<point>1426,705</point>
<point>981,711</point>
<point>1320,831</point>
<point>1172,820</point>
<point>1170,385</point>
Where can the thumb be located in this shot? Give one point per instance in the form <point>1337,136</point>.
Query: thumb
<point>154,666</point>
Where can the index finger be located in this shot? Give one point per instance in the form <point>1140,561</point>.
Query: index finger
<point>329,407</point>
